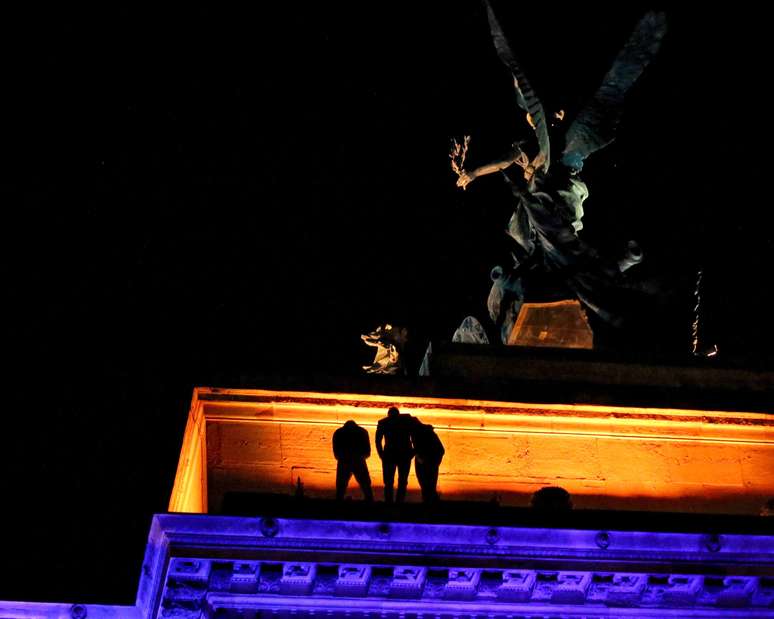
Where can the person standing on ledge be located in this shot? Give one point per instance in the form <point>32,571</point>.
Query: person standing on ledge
<point>429,453</point>
<point>396,453</point>
<point>351,448</point>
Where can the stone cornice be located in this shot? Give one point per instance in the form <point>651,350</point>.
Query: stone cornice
<point>218,565</point>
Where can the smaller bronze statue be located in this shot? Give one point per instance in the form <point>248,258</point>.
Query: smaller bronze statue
<point>389,342</point>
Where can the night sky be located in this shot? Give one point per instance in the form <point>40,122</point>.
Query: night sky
<point>195,195</point>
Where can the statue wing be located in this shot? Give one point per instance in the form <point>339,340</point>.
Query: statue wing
<point>595,126</point>
<point>525,95</point>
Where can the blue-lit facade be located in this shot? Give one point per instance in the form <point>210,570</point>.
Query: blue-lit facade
<point>231,567</point>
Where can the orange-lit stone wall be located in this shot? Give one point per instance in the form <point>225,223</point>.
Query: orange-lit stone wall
<point>606,457</point>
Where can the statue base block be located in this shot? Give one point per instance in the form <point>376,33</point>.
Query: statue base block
<point>560,324</point>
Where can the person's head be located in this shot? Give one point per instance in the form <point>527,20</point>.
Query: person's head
<point>393,412</point>
<point>551,499</point>
<point>350,424</point>
<point>419,429</point>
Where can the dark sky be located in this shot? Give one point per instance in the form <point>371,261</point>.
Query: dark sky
<point>195,194</point>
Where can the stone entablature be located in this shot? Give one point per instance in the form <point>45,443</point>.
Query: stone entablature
<point>203,567</point>
<point>267,567</point>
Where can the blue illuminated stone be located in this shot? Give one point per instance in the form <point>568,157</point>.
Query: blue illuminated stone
<point>297,578</point>
<point>353,580</point>
<point>408,582</point>
<point>517,586</point>
<point>462,584</point>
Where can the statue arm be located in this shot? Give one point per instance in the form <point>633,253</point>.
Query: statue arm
<point>490,168</point>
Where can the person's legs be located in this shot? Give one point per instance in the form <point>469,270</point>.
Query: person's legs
<point>419,469</point>
<point>404,467</point>
<point>343,473</point>
<point>430,490</point>
<point>388,475</point>
<point>360,469</point>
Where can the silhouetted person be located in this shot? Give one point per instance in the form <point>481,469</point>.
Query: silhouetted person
<point>551,499</point>
<point>395,430</point>
<point>429,453</point>
<point>351,447</point>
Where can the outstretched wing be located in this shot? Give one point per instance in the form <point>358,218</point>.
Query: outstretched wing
<point>525,96</point>
<point>595,126</point>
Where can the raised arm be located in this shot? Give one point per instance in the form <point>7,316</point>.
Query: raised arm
<point>490,168</point>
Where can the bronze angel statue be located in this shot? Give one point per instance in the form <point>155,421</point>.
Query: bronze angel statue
<point>548,190</point>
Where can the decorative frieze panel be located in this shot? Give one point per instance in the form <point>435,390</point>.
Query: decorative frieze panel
<point>730,591</point>
<point>245,577</point>
<point>298,578</point>
<point>191,583</point>
<point>562,587</point>
<point>462,584</point>
<point>353,580</point>
<point>256,568</point>
<point>516,586</point>
<point>618,589</point>
<point>682,590</point>
<point>187,584</point>
<point>407,582</point>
